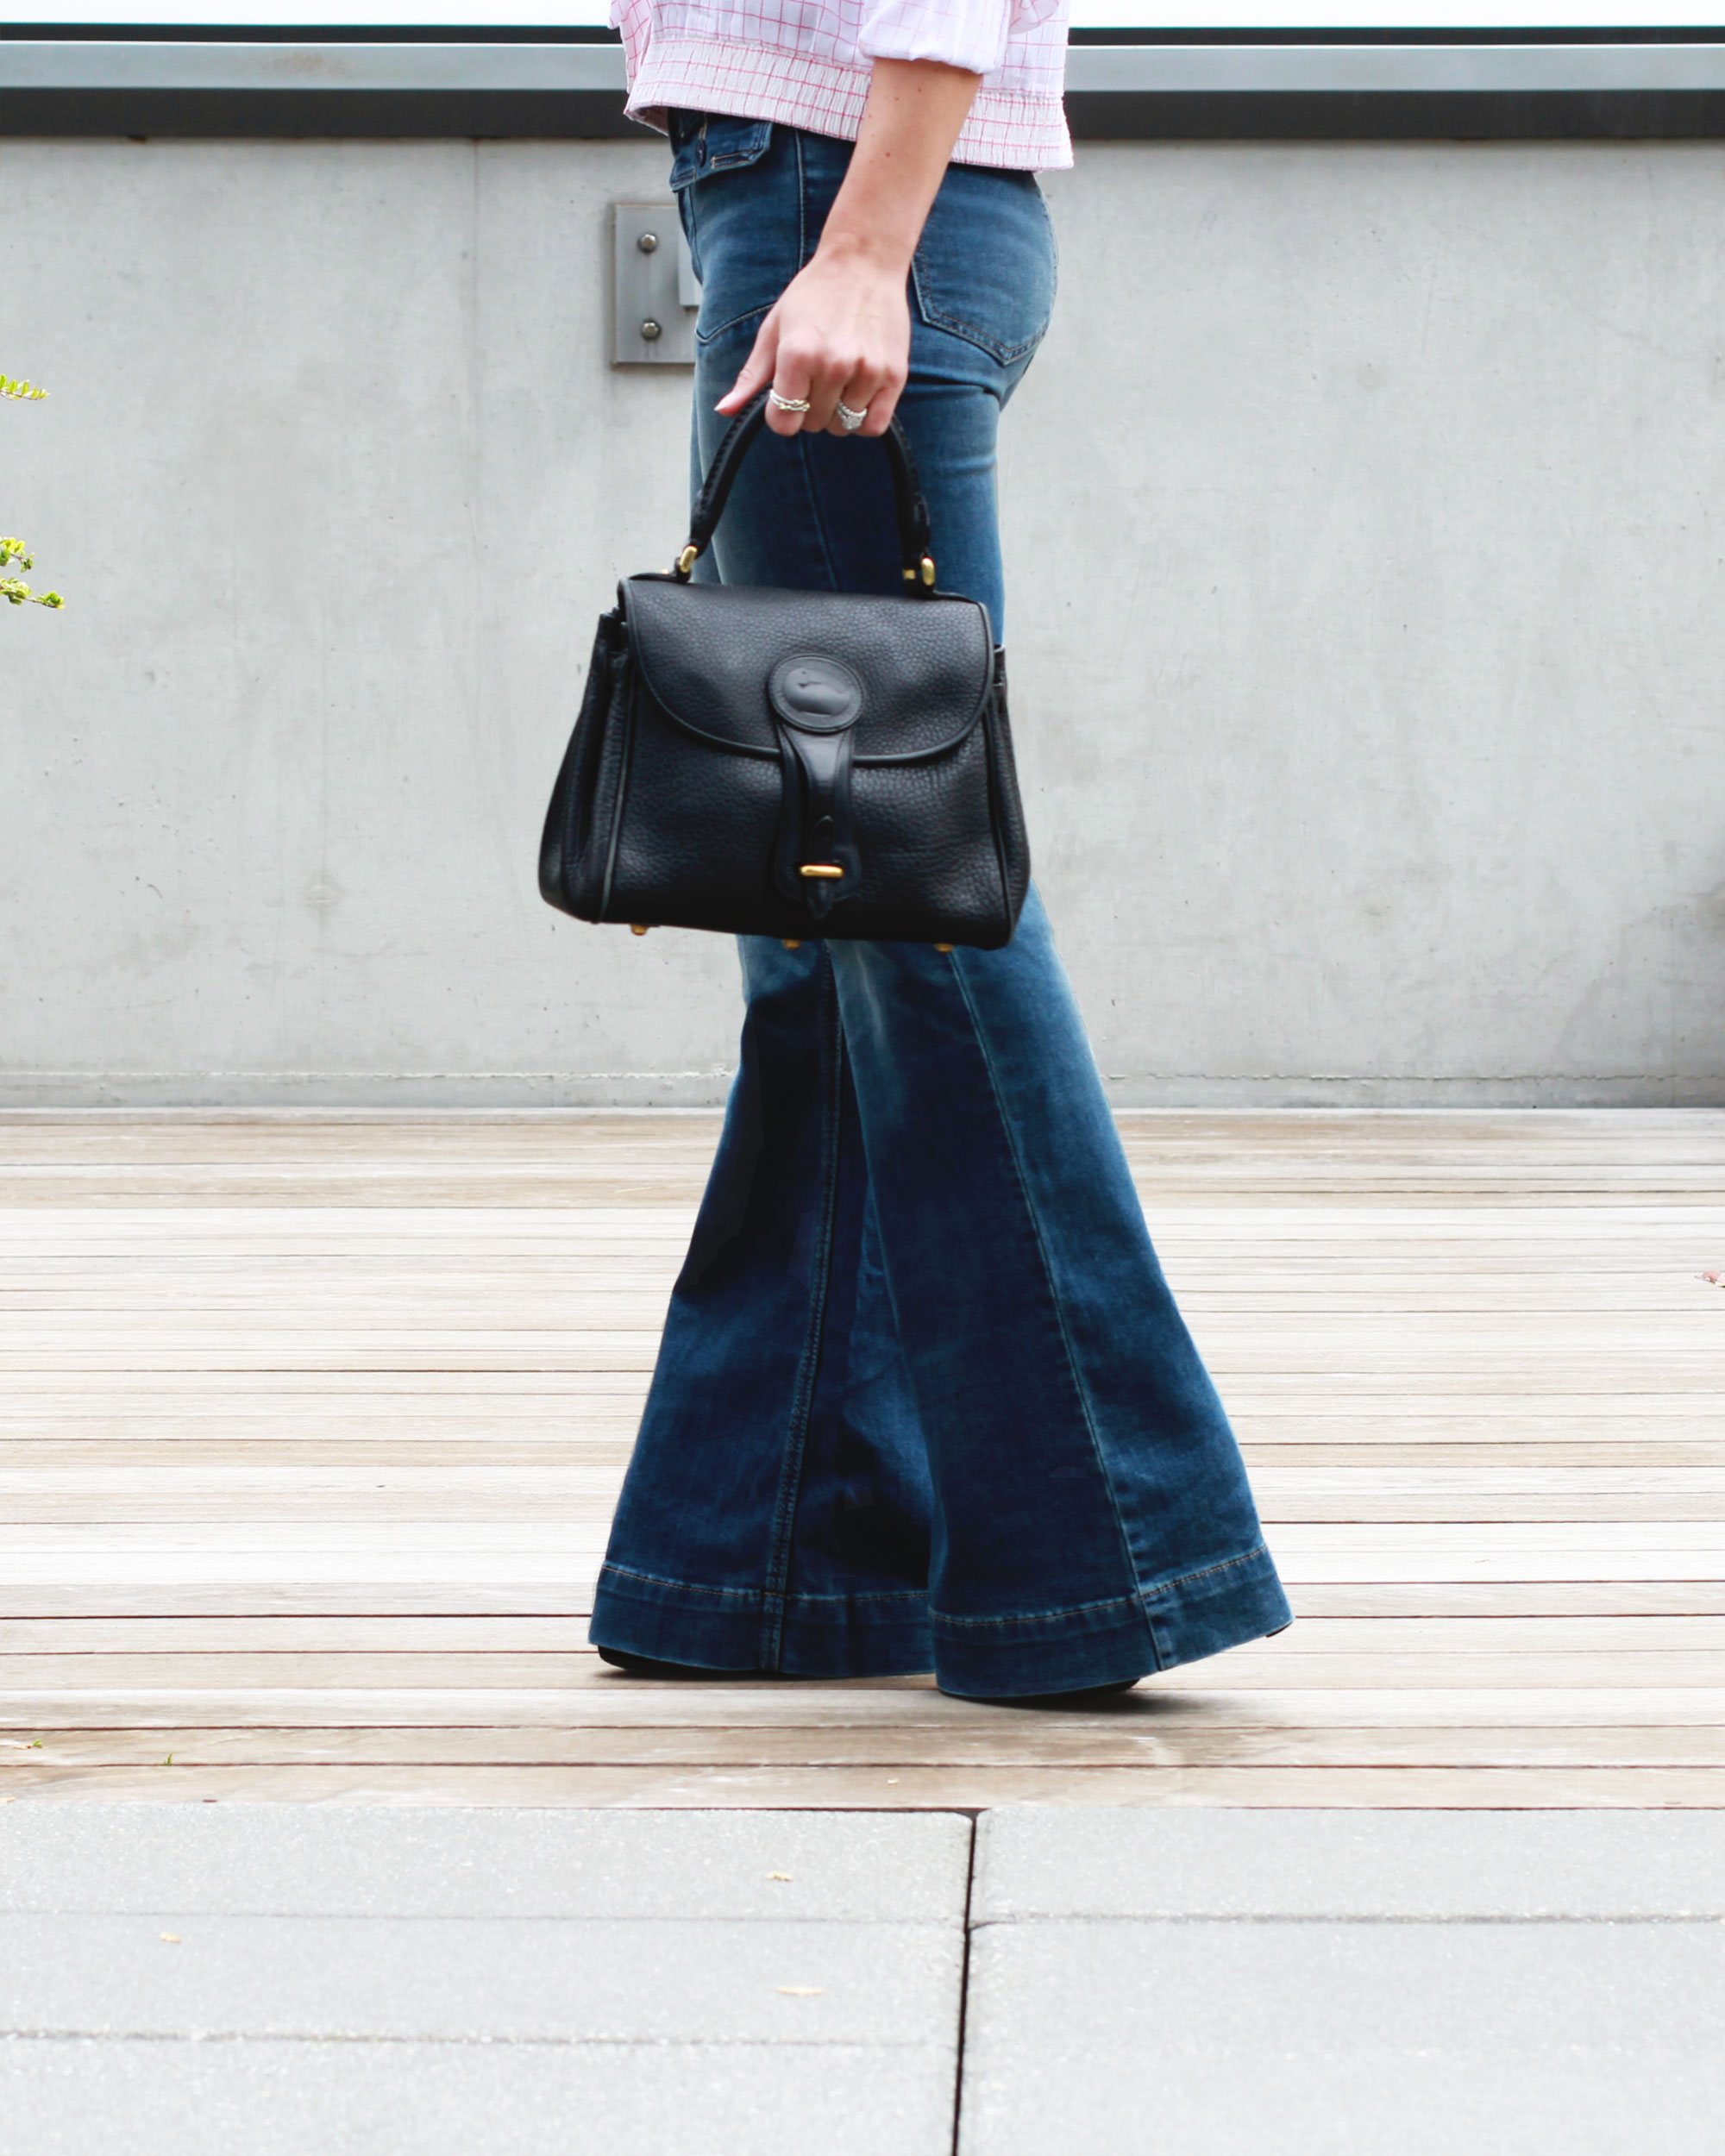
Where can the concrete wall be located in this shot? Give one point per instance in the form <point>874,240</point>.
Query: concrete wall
<point>1366,511</point>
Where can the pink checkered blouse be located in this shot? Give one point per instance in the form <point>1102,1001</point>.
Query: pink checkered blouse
<point>807,63</point>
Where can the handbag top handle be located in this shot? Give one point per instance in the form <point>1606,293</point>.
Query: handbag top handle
<point>912,510</point>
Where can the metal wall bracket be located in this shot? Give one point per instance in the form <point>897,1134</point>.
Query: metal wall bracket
<point>654,293</point>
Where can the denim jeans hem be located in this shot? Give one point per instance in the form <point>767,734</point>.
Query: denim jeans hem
<point>720,1628</point>
<point>1224,1605</point>
<point>1104,1643</point>
<point>1184,1619</point>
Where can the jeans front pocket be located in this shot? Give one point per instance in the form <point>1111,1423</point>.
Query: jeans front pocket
<point>704,143</point>
<point>738,187</point>
<point>984,269</point>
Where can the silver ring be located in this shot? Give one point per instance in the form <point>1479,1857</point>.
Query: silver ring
<point>787,403</point>
<point>851,420</point>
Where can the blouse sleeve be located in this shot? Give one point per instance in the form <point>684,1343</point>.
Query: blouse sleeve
<point>962,33</point>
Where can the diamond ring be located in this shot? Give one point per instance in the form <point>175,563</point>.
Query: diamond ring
<point>851,420</point>
<point>787,403</point>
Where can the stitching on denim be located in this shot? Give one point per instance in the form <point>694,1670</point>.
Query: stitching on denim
<point>822,538</point>
<point>956,326</point>
<point>815,516</point>
<point>756,314</point>
<point>885,1595</point>
<point>749,313</point>
<point>939,317</point>
<point>690,225</point>
<point>1036,1616</point>
<point>752,1594</point>
<point>1208,1571</point>
<point>796,1603</point>
<point>782,1532</point>
<point>802,199</point>
<point>682,1587</point>
<point>1118,1602</point>
<point>981,1039</point>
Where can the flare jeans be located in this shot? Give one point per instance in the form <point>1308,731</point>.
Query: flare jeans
<point>924,1399</point>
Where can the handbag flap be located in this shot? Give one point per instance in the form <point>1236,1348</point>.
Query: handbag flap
<point>707,653</point>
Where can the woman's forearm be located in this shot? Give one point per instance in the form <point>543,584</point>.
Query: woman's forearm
<point>910,123</point>
<point>841,332</point>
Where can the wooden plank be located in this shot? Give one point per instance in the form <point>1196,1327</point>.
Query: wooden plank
<point>567,1493</point>
<point>377,1319</point>
<point>1047,1745</point>
<point>363,1600</point>
<point>1511,1598</point>
<point>324,1420</point>
<point>194,1446</point>
<point>176,1595</point>
<point>595,1699</point>
<point>360,1599</point>
<point>1270,1668</point>
<point>431,1636</point>
<point>29,1678</point>
<point>921,1788</point>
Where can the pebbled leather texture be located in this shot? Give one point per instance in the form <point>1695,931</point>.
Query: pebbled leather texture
<point>730,736</point>
<point>706,652</point>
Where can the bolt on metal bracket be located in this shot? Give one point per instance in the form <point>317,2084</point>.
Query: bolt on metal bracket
<point>654,293</point>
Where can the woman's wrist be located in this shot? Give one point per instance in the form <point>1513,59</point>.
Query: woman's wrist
<point>875,246</point>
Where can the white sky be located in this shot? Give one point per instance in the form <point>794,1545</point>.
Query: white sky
<point>1090,14</point>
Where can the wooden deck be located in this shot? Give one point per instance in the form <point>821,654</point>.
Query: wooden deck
<point>309,1428</point>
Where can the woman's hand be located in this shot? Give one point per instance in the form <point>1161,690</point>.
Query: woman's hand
<point>841,331</point>
<point>841,334</point>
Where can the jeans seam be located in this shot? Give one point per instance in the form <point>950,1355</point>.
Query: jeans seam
<point>749,314</point>
<point>954,326</point>
<point>816,519</point>
<point>802,202</point>
<point>687,218</point>
<point>917,1595</point>
<point>1135,1601</point>
<point>862,1595</point>
<point>815,516</point>
<point>1131,1561</point>
<point>1038,1616</point>
<point>683,1587</point>
<point>1204,1572</point>
<point>782,1532</point>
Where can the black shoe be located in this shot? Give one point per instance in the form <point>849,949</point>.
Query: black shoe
<point>645,1666</point>
<point>1087,1696</point>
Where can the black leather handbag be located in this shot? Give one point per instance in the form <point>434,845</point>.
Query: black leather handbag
<point>795,764</point>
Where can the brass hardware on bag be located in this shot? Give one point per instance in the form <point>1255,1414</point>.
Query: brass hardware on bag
<point>637,928</point>
<point>927,568</point>
<point>686,561</point>
<point>791,942</point>
<point>943,947</point>
<point>823,869</point>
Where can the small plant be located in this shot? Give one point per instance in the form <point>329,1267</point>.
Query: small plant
<point>13,588</point>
